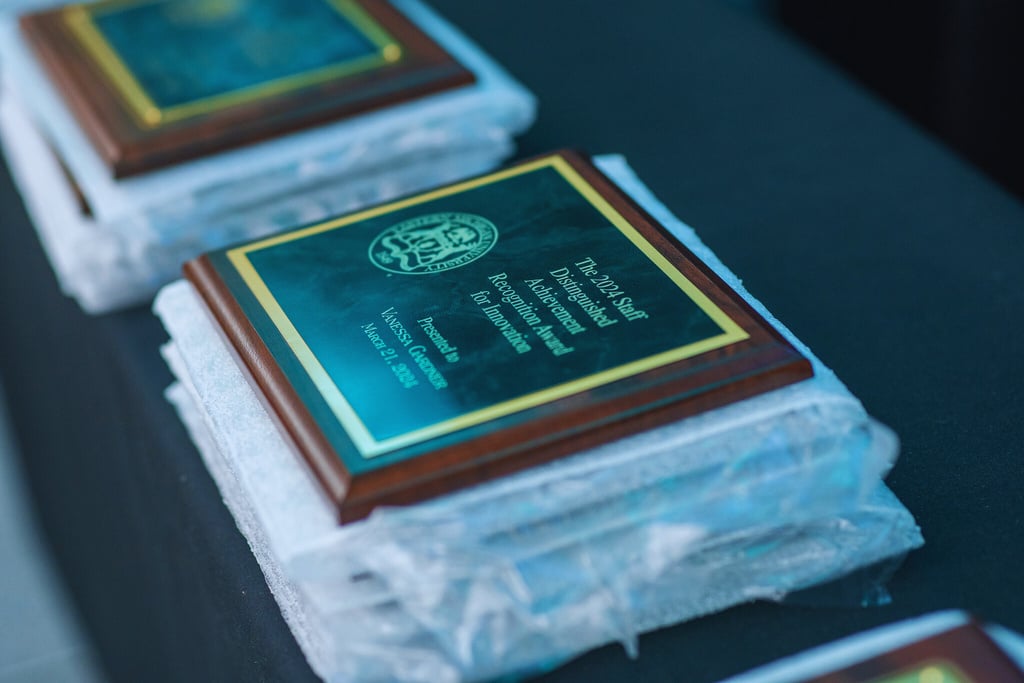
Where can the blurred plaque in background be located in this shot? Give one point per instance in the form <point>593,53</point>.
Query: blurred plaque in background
<point>965,654</point>
<point>155,82</point>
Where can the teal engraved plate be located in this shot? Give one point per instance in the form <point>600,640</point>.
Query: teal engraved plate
<point>523,298</point>
<point>172,59</point>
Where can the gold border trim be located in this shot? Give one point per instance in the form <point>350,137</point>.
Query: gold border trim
<point>79,19</point>
<point>364,441</point>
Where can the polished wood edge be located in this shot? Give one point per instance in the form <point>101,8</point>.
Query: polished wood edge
<point>43,33</point>
<point>368,491</point>
<point>270,383</point>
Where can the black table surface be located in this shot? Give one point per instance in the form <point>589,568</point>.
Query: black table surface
<point>896,262</point>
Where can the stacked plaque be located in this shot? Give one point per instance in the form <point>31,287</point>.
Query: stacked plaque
<point>486,427</point>
<point>142,133</point>
<point>946,647</point>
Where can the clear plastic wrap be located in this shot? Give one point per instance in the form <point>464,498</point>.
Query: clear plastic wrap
<point>749,501</point>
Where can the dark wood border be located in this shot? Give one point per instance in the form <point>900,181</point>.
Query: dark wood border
<point>130,149</point>
<point>763,362</point>
<point>968,648</point>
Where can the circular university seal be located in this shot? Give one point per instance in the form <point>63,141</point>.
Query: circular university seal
<point>433,243</point>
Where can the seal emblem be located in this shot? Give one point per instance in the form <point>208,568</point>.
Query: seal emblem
<point>433,243</point>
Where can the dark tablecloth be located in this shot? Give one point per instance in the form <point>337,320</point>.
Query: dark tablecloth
<point>895,261</point>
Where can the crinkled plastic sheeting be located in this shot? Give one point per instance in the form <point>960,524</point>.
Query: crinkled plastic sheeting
<point>143,227</point>
<point>753,500</point>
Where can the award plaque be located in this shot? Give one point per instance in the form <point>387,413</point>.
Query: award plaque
<point>156,82</point>
<point>459,335</point>
<point>965,654</point>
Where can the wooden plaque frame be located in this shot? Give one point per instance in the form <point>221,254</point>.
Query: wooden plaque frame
<point>759,363</point>
<point>132,136</point>
<point>965,652</point>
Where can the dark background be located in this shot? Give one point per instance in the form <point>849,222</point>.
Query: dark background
<point>880,247</point>
<point>953,66</point>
